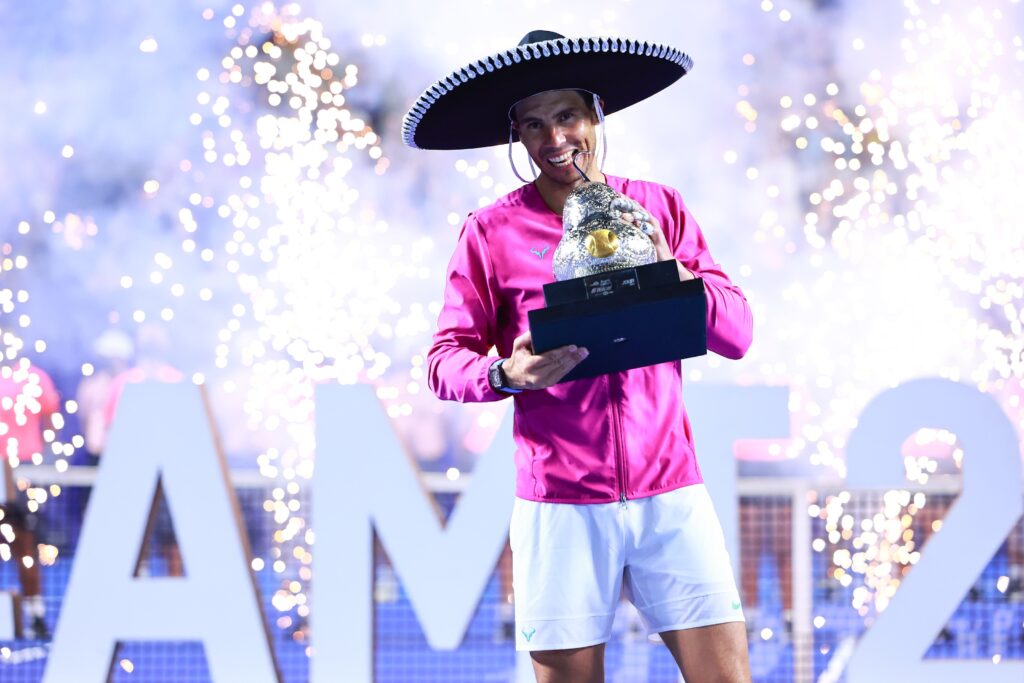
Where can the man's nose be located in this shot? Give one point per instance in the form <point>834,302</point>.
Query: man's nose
<point>554,135</point>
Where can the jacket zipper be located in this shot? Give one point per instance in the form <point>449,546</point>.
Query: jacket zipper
<point>620,457</point>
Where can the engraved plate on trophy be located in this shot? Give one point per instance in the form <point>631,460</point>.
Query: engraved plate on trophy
<point>609,283</point>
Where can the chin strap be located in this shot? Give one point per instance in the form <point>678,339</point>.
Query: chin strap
<point>512,162</point>
<point>600,120</point>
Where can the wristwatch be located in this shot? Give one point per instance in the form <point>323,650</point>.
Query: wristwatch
<point>497,379</point>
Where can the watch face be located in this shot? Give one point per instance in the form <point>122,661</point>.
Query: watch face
<point>496,377</point>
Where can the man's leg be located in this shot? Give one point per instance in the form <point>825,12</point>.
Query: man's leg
<point>710,654</point>
<point>567,568</point>
<point>581,665</point>
<point>505,608</point>
<point>680,578</point>
<point>24,546</point>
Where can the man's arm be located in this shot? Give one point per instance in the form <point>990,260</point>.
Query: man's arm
<point>457,362</point>
<point>730,323</point>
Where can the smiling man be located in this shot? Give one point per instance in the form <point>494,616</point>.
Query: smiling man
<point>609,497</point>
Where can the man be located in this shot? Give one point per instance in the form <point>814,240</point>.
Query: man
<point>608,493</point>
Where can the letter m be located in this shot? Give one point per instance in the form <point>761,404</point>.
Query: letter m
<point>365,481</point>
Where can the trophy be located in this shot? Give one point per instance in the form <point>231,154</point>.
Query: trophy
<point>611,295</point>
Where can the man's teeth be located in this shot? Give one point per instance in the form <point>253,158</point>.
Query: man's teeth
<point>562,159</point>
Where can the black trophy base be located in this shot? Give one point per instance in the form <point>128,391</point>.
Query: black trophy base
<point>610,283</point>
<point>635,321</point>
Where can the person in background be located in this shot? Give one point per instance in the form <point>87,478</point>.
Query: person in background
<point>150,366</point>
<point>28,402</point>
<point>114,350</point>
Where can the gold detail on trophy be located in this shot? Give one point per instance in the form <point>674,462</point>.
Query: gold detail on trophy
<point>602,243</point>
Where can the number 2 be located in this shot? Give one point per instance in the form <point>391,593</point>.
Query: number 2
<point>988,507</point>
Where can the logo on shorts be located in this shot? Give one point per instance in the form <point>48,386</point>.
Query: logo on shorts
<point>528,632</point>
<point>735,604</point>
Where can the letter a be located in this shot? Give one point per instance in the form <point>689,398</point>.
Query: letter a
<point>162,434</point>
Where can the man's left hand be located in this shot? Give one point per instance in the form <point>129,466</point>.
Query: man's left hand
<point>630,211</point>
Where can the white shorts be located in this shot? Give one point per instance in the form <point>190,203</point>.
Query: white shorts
<point>570,562</point>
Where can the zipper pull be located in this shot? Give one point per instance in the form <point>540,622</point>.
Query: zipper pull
<point>622,499</point>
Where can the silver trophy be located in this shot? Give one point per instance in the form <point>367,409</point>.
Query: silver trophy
<point>611,294</point>
<point>594,238</point>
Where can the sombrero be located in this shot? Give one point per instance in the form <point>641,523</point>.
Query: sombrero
<point>470,107</point>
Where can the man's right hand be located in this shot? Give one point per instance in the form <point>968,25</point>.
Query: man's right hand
<point>526,370</point>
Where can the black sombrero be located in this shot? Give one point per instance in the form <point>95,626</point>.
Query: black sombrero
<point>470,107</point>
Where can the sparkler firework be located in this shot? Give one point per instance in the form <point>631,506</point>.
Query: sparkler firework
<point>912,176</point>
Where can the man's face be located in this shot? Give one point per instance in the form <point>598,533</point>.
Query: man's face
<point>552,126</point>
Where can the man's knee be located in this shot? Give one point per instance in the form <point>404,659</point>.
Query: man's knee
<point>577,665</point>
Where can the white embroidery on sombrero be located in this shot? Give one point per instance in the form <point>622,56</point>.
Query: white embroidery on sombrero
<point>495,62</point>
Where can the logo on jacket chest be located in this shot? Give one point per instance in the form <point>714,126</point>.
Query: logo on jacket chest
<point>539,253</point>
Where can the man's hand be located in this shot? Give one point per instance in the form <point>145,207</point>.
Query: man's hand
<point>630,211</point>
<point>526,370</point>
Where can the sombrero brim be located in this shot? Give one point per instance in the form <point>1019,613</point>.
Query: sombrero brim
<point>469,108</point>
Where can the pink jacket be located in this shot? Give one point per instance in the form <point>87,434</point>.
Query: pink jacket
<point>29,399</point>
<point>619,436</point>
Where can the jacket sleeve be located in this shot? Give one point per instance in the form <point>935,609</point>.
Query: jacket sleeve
<point>457,362</point>
<point>730,323</point>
